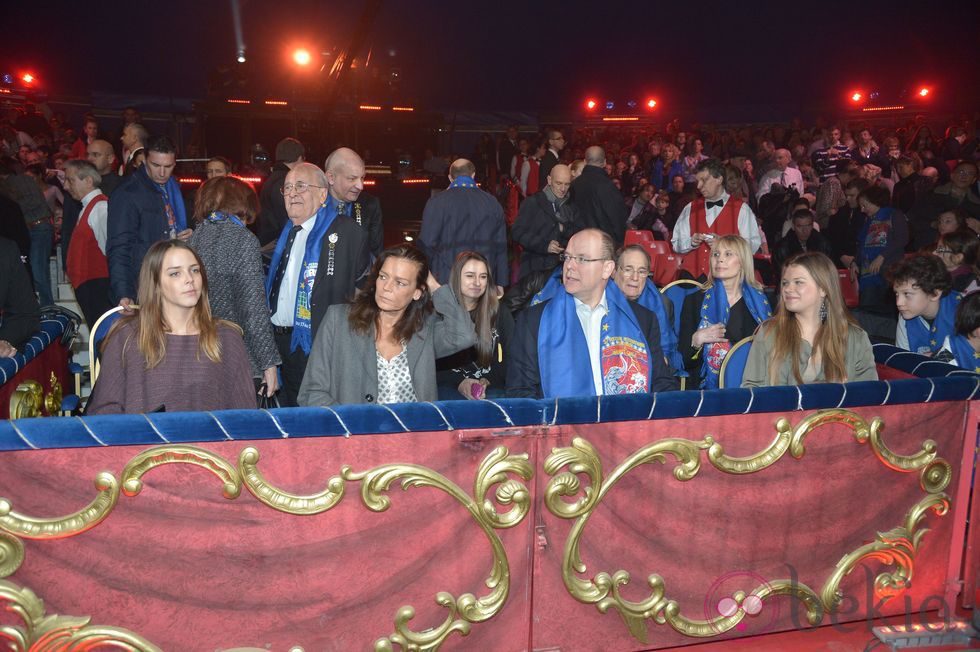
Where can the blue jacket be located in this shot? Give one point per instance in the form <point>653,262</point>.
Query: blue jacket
<point>657,176</point>
<point>137,219</point>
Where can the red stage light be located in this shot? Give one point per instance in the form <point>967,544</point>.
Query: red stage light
<point>857,96</point>
<point>28,78</point>
<point>651,103</point>
<point>923,91</point>
<point>302,56</point>
<point>590,104</point>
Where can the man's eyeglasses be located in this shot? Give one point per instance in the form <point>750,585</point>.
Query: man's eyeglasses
<point>943,250</point>
<point>635,271</point>
<point>300,187</point>
<point>580,260</point>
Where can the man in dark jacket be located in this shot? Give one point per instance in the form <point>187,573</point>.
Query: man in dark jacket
<point>272,217</point>
<point>555,143</point>
<point>146,208</point>
<point>845,225</point>
<point>599,203</point>
<point>464,218</point>
<point>800,239</point>
<point>345,176</point>
<point>19,312</point>
<point>545,223</point>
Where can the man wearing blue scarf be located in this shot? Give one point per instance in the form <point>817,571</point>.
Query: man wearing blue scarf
<point>926,305</point>
<point>318,258</point>
<point>587,339</point>
<point>145,208</point>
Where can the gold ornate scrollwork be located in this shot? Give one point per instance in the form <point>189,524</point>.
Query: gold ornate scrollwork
<point>281,500</point>
<point>896,547</point>
<point>132,482</point>
<point>65,526</point>
<point>52,400</point>
<point>467,609</point>
<point>47,633</point>
<point>26,400</point>
<point>11,554</point>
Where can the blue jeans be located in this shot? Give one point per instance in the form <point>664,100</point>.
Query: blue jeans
<point>42,237</point>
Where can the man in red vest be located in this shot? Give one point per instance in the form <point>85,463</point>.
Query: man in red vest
<point>714,213</point>
<point>88,270</point>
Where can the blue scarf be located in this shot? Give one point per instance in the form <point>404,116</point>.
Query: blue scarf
<point>966,357</point>
<point>302,324</point>
<point>170,192</point>
<point>872,241</point>
<point>651,300</point>
<point>924,338</point>
<point>715,310</point>
<point>220,216</point>
<point>563,354</point>
<point>463,182</point>
<point>550,288</point>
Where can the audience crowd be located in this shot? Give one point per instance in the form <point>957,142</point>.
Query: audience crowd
<point>534,274</point>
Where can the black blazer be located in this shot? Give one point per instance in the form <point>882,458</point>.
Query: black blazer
<point>524,375</point>
<point>548,161</point>
<point>599,203</point>
<point>371,221</point>
<point>350,264</point>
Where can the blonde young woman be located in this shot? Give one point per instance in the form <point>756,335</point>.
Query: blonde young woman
<point>812,338</point>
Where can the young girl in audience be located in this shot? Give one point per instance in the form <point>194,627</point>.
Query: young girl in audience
<point>812,338</point>
<point>480,371</point>
<point>727,309</point>
<point>958,251</point>
<point>966,342</point>
<point>952,220</point>
<point>172,355</point>
<point>382,348</point>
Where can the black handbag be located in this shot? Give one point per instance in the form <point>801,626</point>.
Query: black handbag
<point>267,402</point>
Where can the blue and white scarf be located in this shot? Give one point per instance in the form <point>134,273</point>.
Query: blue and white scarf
<point>302,318</point>
<point>929,339</point>
<point>550,288</point>
<point>651,299</point>
<point>715,310</point>
<point>966,357</point>
<point>463,182</point>
<point>563,353</point>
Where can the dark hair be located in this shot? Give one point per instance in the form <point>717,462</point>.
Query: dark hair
<point>364,311</point>
<point>857,184</point>
<point>924,271</point>
<point>630,248</point>
<point>962,241</point>
<point>968,314</point>
<point>221,159</point>
<point>803,212</point>
<point>714,167</point>
<point>485,314</point>
<point>227,195</point>
<point>876,195</point>
<point>161,145</point>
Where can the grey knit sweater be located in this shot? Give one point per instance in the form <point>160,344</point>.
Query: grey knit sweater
<point>236,288</point>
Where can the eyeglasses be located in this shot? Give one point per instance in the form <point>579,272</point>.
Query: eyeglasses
<point>635,271</point>
<point>579,259</point>
<point>300,187</point>
<point>558,138</point>
<point>943,250</point>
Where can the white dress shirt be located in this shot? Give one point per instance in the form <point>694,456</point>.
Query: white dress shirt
<point>748,228</point>
<point>591,321</point>
<point>98,218</point>
<point>286,306</point>
<point>788,178</point>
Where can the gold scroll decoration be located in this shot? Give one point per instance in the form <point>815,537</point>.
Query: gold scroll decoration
<point>64,526</point>
<point>26,400</point>
<point>43,632</point>
<point>896,547</point>
<point>52,400</point>
<point>132,475</point>
<point>11,554</point>
<point>494,471</point>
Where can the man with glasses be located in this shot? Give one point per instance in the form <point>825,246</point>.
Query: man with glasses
<point>318,257</point>
<point>958,193</point>
<point>556,143</point>
<point>588,339</point>
<point>545,222</point>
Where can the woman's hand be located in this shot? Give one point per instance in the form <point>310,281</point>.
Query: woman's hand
<point>876,264</point>
<point>432,283</point>
<point>271,380</point>
<point>466,388</point>
<point>708,335</point>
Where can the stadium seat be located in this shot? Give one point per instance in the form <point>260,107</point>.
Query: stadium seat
<point>733,366</point>
<point>677,291</point>
<point>99,330</point>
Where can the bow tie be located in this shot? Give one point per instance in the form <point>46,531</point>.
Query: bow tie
<point>712,204</point>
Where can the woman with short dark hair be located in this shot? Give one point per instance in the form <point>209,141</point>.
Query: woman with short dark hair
<point>383,346</point>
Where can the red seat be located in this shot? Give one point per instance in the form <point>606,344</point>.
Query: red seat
<point>848,288</point>
<point>646,240</point>
<point>663,269</point>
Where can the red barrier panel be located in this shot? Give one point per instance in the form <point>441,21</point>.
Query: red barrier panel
<point>748,522</point>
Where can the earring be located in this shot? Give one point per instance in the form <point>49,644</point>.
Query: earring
<point>823,310</point>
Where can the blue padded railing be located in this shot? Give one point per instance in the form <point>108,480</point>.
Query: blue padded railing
<point>937,381</point>
<point>52,328</point>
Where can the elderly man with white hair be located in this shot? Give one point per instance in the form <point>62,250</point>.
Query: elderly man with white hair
<point>786,176</point>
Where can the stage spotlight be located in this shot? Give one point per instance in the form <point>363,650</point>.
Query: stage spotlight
<point>28,78</point>
<point>857,96</point>
<point>651,103</point>
<point>302,57</point>
<point>590,104</point>
<point>610,105</point>
<point>924,91</point>
<point>241,57</point>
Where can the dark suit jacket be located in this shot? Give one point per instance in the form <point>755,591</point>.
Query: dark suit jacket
<point>790,246</point>
<point>537,225</point>
<point>464,219</point>
<point>20,316</point>
<point>349,265</point>
<point>272,216</point>
<point>371,221</point>
<point>524,375</point>
<point>548,161</point>
<point>600,204</point>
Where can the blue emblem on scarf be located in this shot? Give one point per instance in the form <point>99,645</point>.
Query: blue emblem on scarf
<point>966,357</point>
<point>924,338</point>
<point>463,182</point>
<point>651,300</point>
<point>219,216</point>
<point>563,353</point>
<point>550,289</point>
<point>302,318</point>
<point>715,310</point>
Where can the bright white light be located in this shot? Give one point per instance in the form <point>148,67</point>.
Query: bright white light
<point>241,57</point>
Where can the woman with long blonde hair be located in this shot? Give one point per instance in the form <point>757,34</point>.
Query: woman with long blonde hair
<point>812,338</point>
<point>172,355</point>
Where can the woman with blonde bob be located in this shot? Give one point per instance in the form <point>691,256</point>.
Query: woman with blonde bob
<point>728,308</point>
<point>812,338</point>
<point>172,355</point>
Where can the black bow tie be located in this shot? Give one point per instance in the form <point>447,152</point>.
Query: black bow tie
<point>712,204</point>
